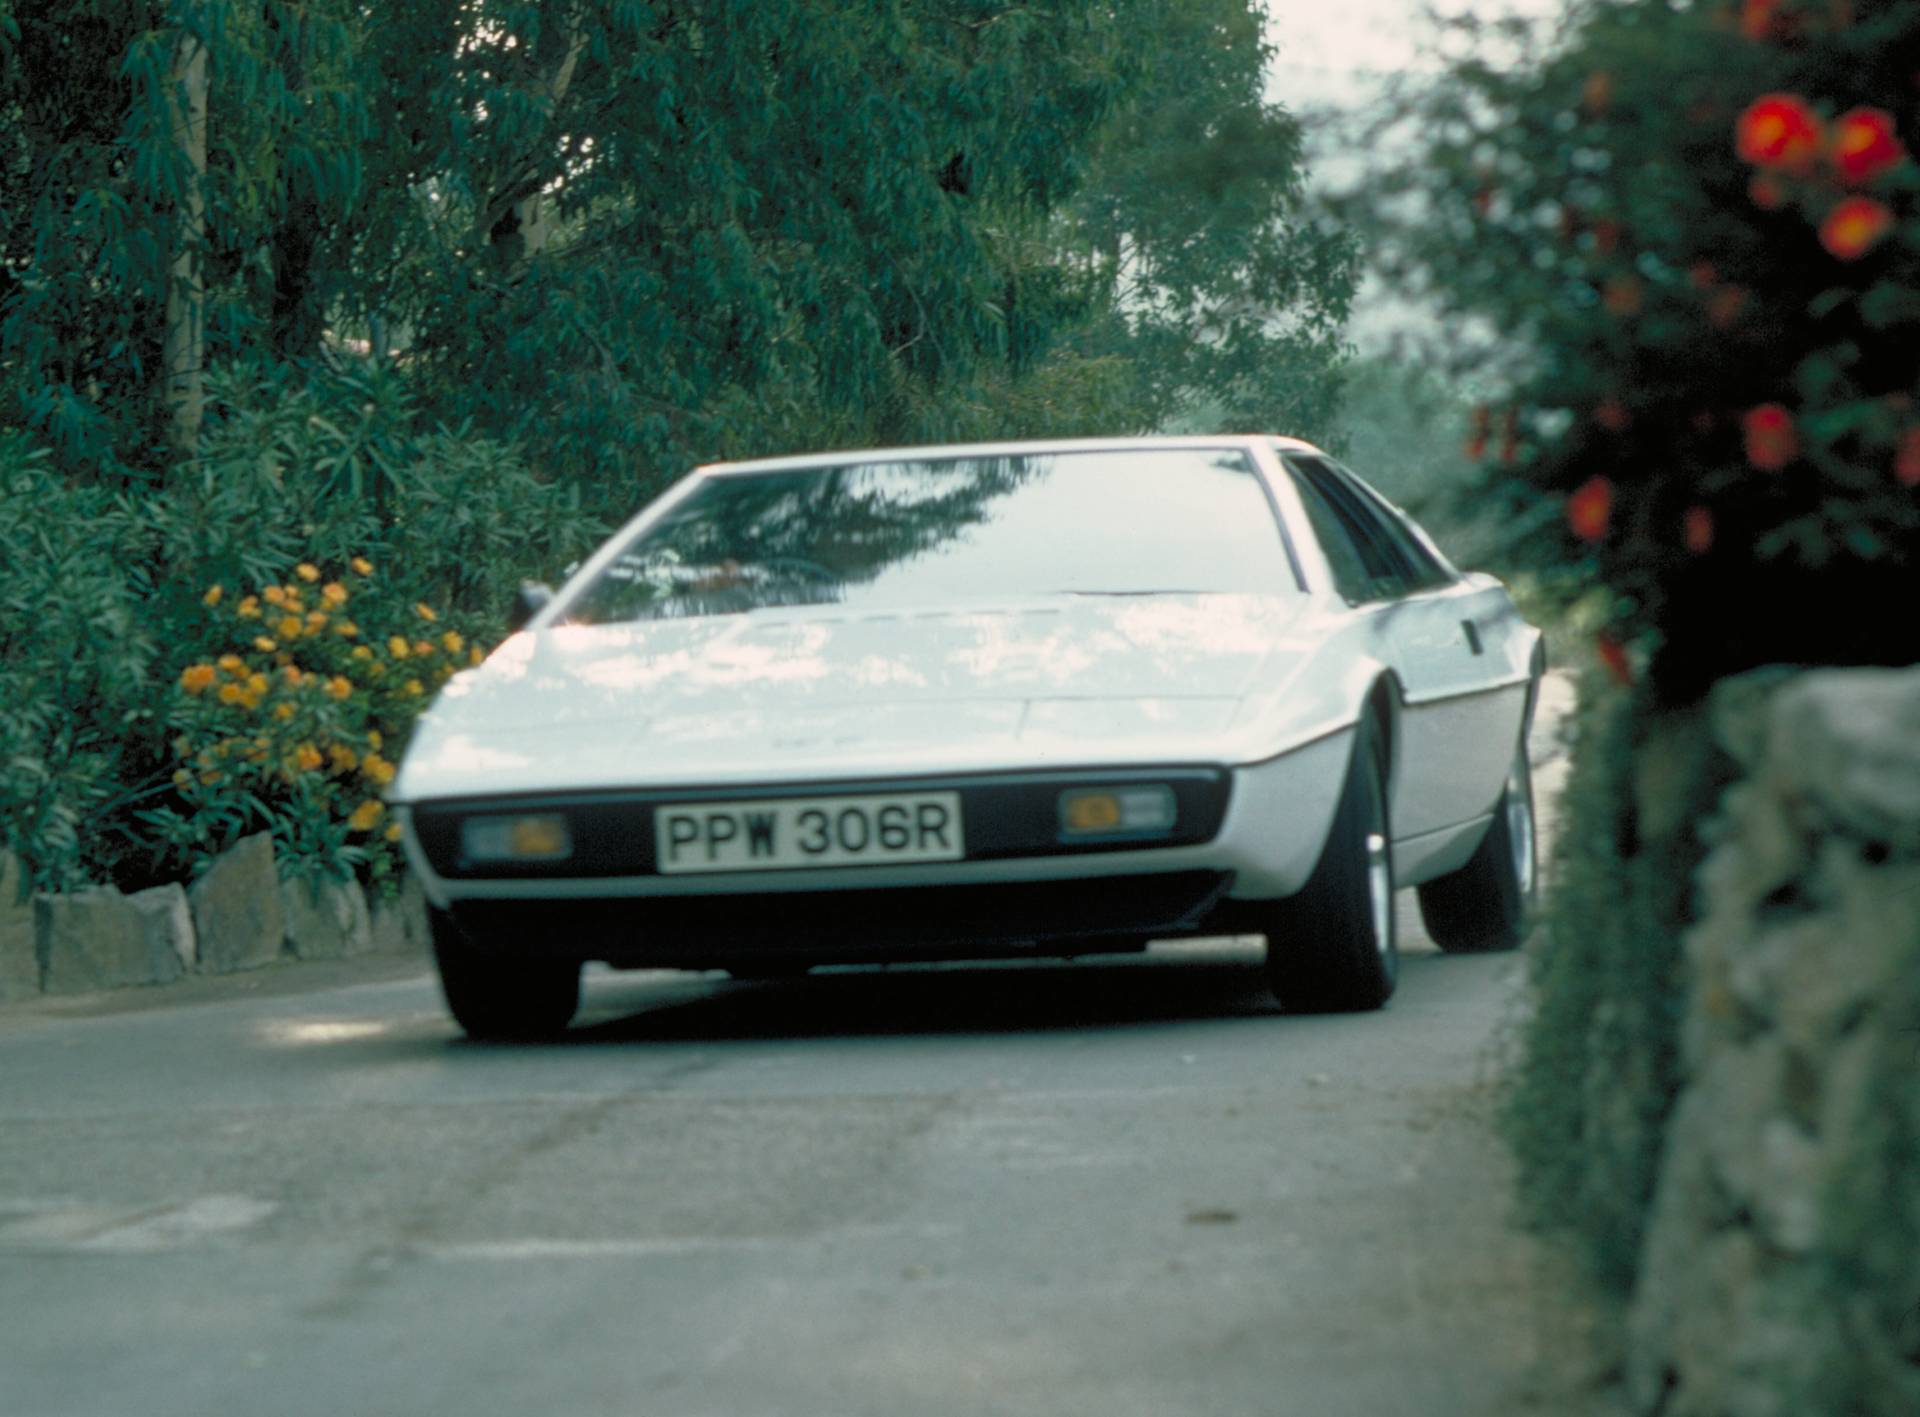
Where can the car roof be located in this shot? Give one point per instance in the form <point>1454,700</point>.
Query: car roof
<point>1022,447</point>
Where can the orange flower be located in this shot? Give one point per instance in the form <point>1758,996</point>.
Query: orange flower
<point>1906,463</point>
<point>307,757</point>
<point>361,566</point>
<point>273,595</point>
<point>197,678</point>
<point>377,769</point>
<point>343,758</point>
<point>1864,145</point>
<point>1771,440</point>
<point>339,687</point>
<point>334,593</point>
<point>1777,130</point>
<point>365,816</point>
<point>1854,227</point>
<point>307,572</point>
<point>258,683</point>
<point>423,648</point>
<point>1590,508</point>
<point>288,628</point>
<point>283,712</point>
<point>231,693</point>
<point>291,673</point>
<point>316,621</point>
<point>1696,530</point>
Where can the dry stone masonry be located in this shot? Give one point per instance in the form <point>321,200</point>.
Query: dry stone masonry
<point>1781,1273</point>
<point>239,915</point>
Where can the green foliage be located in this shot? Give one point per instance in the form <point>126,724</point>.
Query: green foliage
<point>1587,1105</point>
<point>76,655</point>
<point>1653,287</point>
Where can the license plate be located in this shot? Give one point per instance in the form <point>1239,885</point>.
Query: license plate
<point>792,832</point>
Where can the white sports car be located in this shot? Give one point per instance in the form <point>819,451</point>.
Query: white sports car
<point>982,701</point>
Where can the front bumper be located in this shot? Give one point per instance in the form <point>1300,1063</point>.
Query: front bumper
<point>1248,833</point>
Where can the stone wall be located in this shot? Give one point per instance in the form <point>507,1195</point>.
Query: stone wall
<point>1781,1268</point>
<point>239,915</point>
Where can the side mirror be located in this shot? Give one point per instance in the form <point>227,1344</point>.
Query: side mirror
<point>528,601</point>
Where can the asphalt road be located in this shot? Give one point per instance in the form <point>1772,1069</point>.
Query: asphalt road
<point>1123,1187</point>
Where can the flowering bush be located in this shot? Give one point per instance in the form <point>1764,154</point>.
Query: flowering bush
<point>1698,230</point>
<point>293,723</point>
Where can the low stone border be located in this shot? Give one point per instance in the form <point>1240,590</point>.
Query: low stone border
<point>239,915</point>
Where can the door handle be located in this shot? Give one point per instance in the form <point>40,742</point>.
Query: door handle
<point>1473,636</point>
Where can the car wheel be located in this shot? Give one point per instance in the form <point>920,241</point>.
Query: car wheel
<point>1331,945</point>
<point>1484,905</point>
<point>496,997</point>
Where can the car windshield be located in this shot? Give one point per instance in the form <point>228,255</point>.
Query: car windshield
<point>940,530</point>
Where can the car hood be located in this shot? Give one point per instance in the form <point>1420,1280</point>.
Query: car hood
<point>791,694</point>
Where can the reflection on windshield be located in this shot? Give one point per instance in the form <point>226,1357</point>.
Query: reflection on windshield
<point>933,532</point>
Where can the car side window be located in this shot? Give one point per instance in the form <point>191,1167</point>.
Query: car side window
<point>1424,570</point>
<point>1363,564</point>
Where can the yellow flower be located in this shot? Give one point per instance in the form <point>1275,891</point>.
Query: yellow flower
<point>362,652</point>
<point>443,673</point>
<point>248,608</point>
<point>377,769</point>
<point>232,663</point>
<point>196,677</point>
<point>415,688</point>
<point>316,621</point>
<point>258,682</point>
<point>453,642</point>
<point>264,645</point>
<point>181,745</point>
<point>425,611</point>
<point>344,759</point>
<point>284,658</point>
<point>249,699</point>
<point>361,565</point>
<point>273,595</point>
<point>208,779</point>
<point>474,656</point>
<point>291,673</point>
<point>212,597</point>
<point>307,572</point>
<point>334,593</point>
<point>397,647</point>
<point>182,778</point>
<point>283,712</point>
<point>288,628</point>
<point>423,647</point>
<point>365,815</point>
<point>339,687</point>
<point>374,740</point>
<point>346,628</point>
<point>307,757</point>
<point>393,831</point>
<point>231,693</point>
<point>376,670</point>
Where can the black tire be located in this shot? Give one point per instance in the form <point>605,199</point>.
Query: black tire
<point>498,997</point>
<point>1330,947</point>
<point>1485,904</point>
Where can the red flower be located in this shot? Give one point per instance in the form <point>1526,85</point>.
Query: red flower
<point>1703,275</point>
<point>1864,145</point>
<point>1622,297</point>
<point>1590,508</point>
<point>1771,440</point>
<point>1724,306</point>
<point>1906,464</point>
<point>1613,655</point>
<point>1854,227</point>
<point>1777,130</point>
<point>1766,193</point>
<point>1757,18</point>
<point>1612,415</point>
<point>1696,530</point>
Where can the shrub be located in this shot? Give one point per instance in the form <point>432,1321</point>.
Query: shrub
<point>293,727</point>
